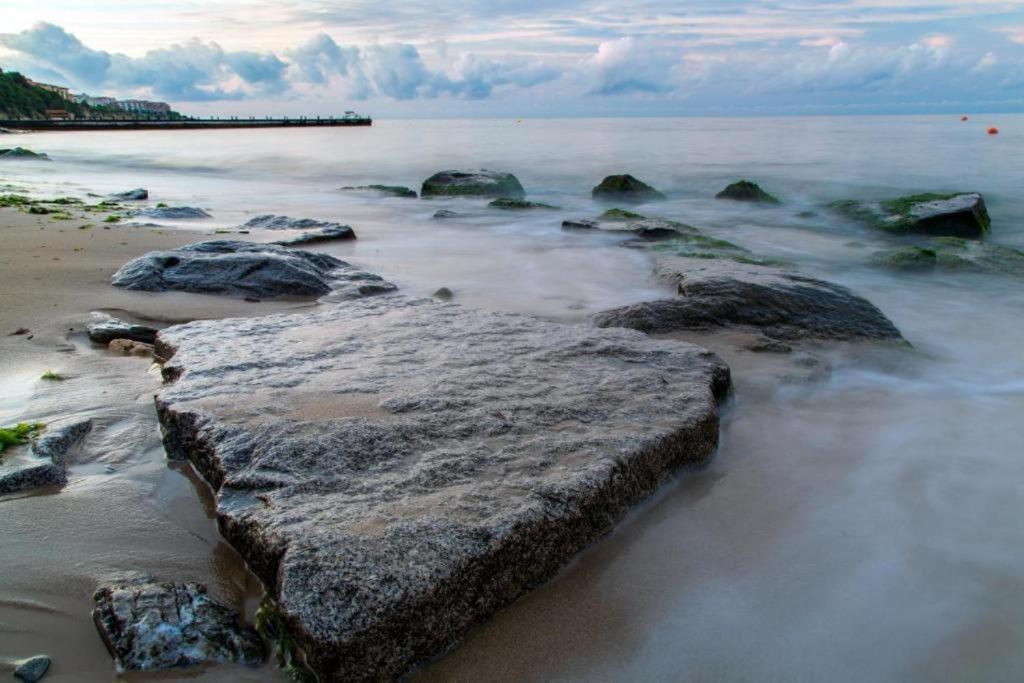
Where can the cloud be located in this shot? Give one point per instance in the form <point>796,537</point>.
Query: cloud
<point>628,65</point>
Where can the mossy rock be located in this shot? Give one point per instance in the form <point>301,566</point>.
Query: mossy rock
<point>22,153</point>
<point>620,215</point>
<point>472,184</point>
<point>625,188</point>
<point>956,214</point>
<point>956,255</point>
<point>746,191</point>
<point>510,204</point>
<point>906,258</point>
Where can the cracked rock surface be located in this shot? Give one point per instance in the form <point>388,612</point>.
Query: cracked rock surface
<point>409,466</point>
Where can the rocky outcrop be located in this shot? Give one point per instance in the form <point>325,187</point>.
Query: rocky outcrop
<point>746,191</point>
<point>952,215</point>
<point>45,463</point>
<point>953,254</point>
<point>245,269</point>
<point>314,230</point>
<point>772,301</point>
<point>20,153</point>
<point>131,195</point>
<point>109,329</point>
<point>518,204</point>
<point>172,212</point>
<point>472,184</point>
<point>408,466</point>
<point>148,625</point>
<point>389,190</point>
<point>625,188</point>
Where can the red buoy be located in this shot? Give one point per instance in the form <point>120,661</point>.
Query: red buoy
<point>993,131</point>
<point>963,118</point>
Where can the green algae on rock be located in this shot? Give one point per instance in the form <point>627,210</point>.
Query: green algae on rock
<point>746,191</point>
<point>481,183</point>
<point>512,204</point>
<point>390,190</point>
<point>625,188</point>
<point>957,214</point>
<point>620,215</point>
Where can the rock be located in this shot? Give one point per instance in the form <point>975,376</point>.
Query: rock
<point>472,184</point>
<point>906,258</point>
<point>20,153</point>
<point>648,228</point>
<point>410,466</point>
<point>172,212</point>
<point>445,213</point>
<point>109,329</point>
<point>777,303</point>
<point>316,231</point>
<point>955,215</point>
<point>444,294</point>
<point>32,669</point>
<point>149,626</point>
<point>954,254</point>
<point>620,215</point>
<point>45,463</point>
<point>625,188</point>
<point>19,331</point>
<point>339,233</point>
<point>245,269</point>
<point>131,195</point>
<point>127,347</point>
<point>391,190</point>
<point>746,191</point>
<point>518,204</point>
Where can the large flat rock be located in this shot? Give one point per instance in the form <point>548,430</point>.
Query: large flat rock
<point>396,470</point>
<point>781,304</point>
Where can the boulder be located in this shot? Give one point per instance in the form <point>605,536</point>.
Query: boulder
<point>245,269</point>
<point>772,301</point>
<point>955,215</point>
<point>472,184</point>
<point>20,153</point>
<point>518,204</point>
<point>149,625</point>
<point>109,329</point>
<point>746,191</point>
<point>172,212</point>
<point>409,466</point>
<point>33,669</point>
<point>45,463</point>
<point>625,188</point>
<point>131,195</point>
<point>390,190</point>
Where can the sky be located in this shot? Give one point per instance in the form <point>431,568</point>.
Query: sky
<point>522,58</point>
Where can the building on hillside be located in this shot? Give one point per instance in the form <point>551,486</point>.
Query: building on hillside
<point>143,107</point>
<point>58,89</point>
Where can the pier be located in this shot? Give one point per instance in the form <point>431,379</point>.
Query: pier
<point>182,123</point>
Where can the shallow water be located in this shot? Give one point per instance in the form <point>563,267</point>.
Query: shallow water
<point>863,525</point>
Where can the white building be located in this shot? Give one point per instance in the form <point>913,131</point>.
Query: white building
<point>143,107</point>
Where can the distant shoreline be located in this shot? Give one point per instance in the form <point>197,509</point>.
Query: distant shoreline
<point>180,124</point>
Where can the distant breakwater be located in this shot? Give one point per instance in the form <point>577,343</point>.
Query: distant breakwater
<point>175,124</point>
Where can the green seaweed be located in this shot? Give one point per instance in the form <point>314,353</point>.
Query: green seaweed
<point>19,434</point>
<point>112,218</point>
<point>161,205</point>
<point>65,201</point>
<point>15,200</point>
<point>512,204</point>
<point>52,376</point>
<point>271,625</point>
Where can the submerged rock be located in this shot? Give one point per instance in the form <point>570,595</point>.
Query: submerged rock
<point>408,467</point>
<point>647,228</point>
<point>172,212</point>
<point>109,329</point>
<point>390,190</point>
<point>746,191</point>
<point>246,269</point>
<point>33,669</point>
<point>620,215</point>
<point>625,188</point>
<point>777,303</point>
<point>316,231</point>
<point>12,153</point>
<point>518,204</point>
<point>444,294</point>
<point>953,254</point>
<point>954,215</point>
<point>472,184</point>
<point>131,195</point>
<point>148,626</point>
<point>45,464</point>
<point>445,213</point>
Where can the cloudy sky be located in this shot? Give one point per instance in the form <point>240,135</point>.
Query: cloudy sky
<point>412,58</point>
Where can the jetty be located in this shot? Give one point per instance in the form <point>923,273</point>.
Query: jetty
<point>181,123</point>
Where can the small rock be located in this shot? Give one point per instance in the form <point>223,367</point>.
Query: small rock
<point>625,188</point>
<point>391,190</point>
<point>444,294</point>
<point>110,329</point>
<point>445,213</point>
<point>746,191</point>
<point>129,347</point>
<point>32,669</point>
<point>137,194</point>
<point>173,212</point>
<point>511,204</point>
<point>482,183</point>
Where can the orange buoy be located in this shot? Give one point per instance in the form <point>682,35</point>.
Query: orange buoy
<point>963,118</point>
<point>993,131</point>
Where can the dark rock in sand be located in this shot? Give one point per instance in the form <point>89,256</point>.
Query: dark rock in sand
<point>396,470</point>
<point>20,153</point>
<point>746,191</point>
<point>625,188</point>
<point>472,184</point>
<point>342,232</point>
<point>779,304</point>
<point>149,626</point>
<point>45,463</point>
<point>33,669</point>
<point>518,204</point>
<point>172,212</point>
<point>246,269</point>
<point>316,231</point>
<point>444,294</point>
<point>131,195</point>
<point>953,215</point>
<point>390,190</point>
<point>445,213</point>
<point>109,329</point>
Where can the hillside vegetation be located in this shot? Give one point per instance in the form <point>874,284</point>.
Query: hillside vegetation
<point>19,99</point>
